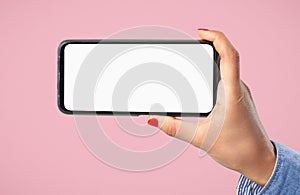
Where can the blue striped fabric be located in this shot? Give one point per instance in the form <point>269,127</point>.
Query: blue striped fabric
<point>247,187</point>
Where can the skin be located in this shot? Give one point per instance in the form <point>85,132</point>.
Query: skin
<point>238,141</point>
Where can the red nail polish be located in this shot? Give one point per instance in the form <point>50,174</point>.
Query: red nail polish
<point>203,29</point>
<point>153,122</point>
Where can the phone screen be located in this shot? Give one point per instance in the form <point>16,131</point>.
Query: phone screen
<point>136,77</point>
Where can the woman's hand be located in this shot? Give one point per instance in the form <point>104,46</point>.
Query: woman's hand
<point>232,134</point>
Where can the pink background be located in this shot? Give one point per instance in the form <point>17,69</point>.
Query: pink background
<point>41,152</point>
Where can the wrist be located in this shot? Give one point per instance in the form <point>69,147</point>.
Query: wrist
<point>261,169</point>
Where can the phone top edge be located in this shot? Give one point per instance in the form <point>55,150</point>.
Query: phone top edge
<point>133,41</point>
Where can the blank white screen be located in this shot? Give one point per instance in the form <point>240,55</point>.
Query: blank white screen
<point>193,61</point>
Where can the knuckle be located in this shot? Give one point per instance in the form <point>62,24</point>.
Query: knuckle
<point>234,54</point>
<point>247,89</point>
<point>219,35</point>
<point>169,127</point>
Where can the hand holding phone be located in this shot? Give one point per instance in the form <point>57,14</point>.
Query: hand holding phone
<point>232,134</point>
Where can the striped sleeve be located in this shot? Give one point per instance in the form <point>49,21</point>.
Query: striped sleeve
<point>247,187</point>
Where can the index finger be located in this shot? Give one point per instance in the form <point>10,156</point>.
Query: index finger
<point>229,62</point>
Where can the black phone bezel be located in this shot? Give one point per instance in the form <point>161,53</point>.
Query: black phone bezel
<point>60,74</point>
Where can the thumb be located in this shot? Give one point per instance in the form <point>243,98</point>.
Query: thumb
<point>183,130</point>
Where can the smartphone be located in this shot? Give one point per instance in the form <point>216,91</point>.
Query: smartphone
<point>137,77</point>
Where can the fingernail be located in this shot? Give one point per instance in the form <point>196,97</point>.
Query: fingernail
<point>203,29</point>
<point>153,122</point>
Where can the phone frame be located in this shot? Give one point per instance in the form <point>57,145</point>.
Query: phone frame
<point>60,74</point>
